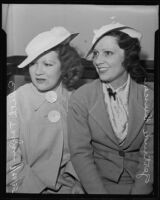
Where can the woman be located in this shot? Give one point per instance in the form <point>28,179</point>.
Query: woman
<point>110,120</point>
<point>38,158</point>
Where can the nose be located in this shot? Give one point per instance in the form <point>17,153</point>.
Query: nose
<point>98,60</point>
<point>39,69</point>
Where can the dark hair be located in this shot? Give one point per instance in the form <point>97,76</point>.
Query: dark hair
<point>71,65</point>
<point>132,48</point>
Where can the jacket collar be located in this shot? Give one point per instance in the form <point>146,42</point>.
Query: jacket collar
<point>38,98</point>
<point>135,109</point>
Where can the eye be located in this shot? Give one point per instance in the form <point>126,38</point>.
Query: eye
<point>95,53</point>
<point>32,63</point>
<point>48,64</point>
<point>108,53</point>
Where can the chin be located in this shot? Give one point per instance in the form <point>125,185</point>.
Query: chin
<point>42,88</point>
<point>106,79</point>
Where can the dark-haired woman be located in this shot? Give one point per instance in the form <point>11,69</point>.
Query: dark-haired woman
<point>38,158</point>
<point>110,120</point>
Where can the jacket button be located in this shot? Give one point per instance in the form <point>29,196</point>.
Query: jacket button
<point>51,96</point>
<point>54,116</point>
<point>122,153</point>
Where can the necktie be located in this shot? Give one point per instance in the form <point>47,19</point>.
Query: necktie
<point>111,93</point>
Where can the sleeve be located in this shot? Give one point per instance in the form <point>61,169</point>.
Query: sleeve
<point>69,170</point>
<point>81,148</point>
<point>19,177</point>
<point>144,176</point>
<point>68,177</point>
<point>14,164</point>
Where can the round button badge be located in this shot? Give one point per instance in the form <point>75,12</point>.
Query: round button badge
<point>51,96</point>
<point>54,116</point>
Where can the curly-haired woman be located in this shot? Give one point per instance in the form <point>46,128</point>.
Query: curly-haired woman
<point>38,159</point>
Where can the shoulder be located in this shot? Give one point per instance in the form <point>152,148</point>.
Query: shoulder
<point>22,94</point>
<point>86,95</point>
<point>86,89</point>
<point>146,92</point>
<point>24,89</point>
<point>146,89</point>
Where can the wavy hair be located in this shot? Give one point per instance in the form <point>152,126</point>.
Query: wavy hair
<point>71,65</point>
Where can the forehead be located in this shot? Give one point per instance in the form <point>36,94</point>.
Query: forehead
<point>107,42</point>
<point>52,55</point>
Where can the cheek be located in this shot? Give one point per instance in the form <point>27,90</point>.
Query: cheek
<point>118,68</point>
<point>117,63</point>
<point>54,75</point>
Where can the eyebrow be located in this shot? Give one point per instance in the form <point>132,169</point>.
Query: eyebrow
<point>104,49</point>
<point>52,61</point>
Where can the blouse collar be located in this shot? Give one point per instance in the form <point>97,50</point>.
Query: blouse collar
<point>122,87</point>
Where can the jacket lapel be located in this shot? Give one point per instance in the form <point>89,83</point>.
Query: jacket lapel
<point>136,113</point>
<point>135,109</point>
<point>100,115</point>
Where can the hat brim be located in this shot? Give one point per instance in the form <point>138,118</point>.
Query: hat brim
<point>125,29</point>
<point>30,59</point>
<point>101,36</point>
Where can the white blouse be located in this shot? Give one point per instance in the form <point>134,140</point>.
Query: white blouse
<point>118,109</point>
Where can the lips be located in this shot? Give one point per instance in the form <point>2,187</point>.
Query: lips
<point>40,80</point>
<point>103,69</point>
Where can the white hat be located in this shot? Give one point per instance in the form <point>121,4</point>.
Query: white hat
<point>114,26</point>
<point>45,41</point>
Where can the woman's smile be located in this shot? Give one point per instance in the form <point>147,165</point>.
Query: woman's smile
<point>103,69</point>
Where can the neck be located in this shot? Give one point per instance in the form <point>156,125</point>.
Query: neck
<point>118,82</point>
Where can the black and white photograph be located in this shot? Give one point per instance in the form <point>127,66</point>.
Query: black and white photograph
<point>80,95</point>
